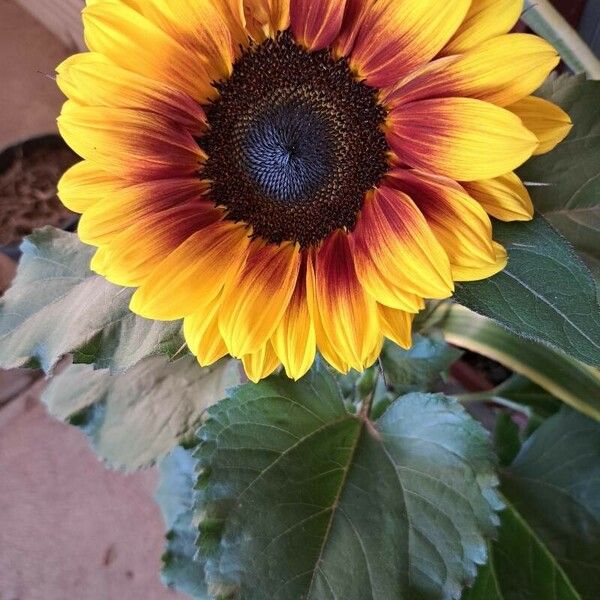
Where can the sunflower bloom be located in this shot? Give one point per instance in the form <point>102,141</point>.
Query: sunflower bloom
<point>294,176</point>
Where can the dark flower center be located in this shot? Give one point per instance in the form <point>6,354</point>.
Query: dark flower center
<point>294,143</point>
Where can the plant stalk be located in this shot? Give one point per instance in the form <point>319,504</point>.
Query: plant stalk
<point>547,22</point>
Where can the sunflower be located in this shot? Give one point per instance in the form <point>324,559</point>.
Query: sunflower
<point>294,176</point>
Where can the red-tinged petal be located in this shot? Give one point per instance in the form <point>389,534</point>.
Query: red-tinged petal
<point>460,138</point>
<point>255,300</point>
<point>135,203</point>
<point>505,197</point>
<point>396,254</point>
<point>397,36</point>
<point>201,28</point>
<point>201,331</point>
<point>316,23</point>
<point>91,79</point>
<point>294,339</point>
<point>260,364</point>
<point>348,315</point>
<point>355,12</point>
<point>396,325</point>
<point>130,144</point>
<point>84,184</point>
<point>132,255</point>
<point>194,274</point>
<point>264,18</point>
<point>486,19</point>
<point>458,222</point>
<point>501,71</point>
<point>135,43</point>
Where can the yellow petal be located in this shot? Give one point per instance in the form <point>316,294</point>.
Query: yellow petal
<point>396,325</point>
<point>91,79</point>
<point>458,222</point>
<point>255,300</point>
<point>201,331</point>
<point>98,262</point>
<point>133,254</point>
<point>134,42</point>
<point>461,138</point>
<point>199,27</point>
<point>486,19</point>
<point>504,69</point>
<point>505,197</point>
<point>550,123</point>
<point>260,364</point>
<point>264,18</point>
<point>193,275</point>
<point>131,144</point>
<point>500,71</point>
<point>84,184</point>
<point>294,339</point>
<point>396,255</point>
<point>134,204</point>
<point>398,35</point>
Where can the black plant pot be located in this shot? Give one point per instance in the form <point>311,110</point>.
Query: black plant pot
<point>38,161</point>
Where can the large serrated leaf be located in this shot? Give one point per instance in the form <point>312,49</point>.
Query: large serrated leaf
<point>570,195</point>
<point>545,293</point>
<point>57,306</point>
<point>135,417</point>
<point>298,498</point>
<point>174,496</point>
<point>554,483</point>
<point>520,567</point>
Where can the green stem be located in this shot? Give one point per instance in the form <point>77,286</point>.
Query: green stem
<point>546,21</point>
<point>489,397</point>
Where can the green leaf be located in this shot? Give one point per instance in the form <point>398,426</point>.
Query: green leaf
<point>506,438</point>
<point>174,496</point>
<point>57,306</point>
<point>301,499</point>
<point>133,418</point>
<point>555,484</point>
<point>520,567</point>
<point>545,293</point>
<point>570,196</point>
<point>416,369</point>
<point>569,380</point>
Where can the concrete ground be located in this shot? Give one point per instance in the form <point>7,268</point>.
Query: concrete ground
<point>69,528</point>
